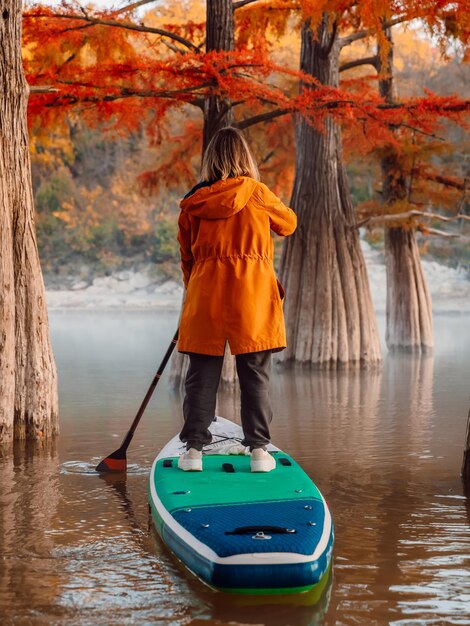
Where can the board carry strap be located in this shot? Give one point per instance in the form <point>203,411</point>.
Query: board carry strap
<point>247,530</point>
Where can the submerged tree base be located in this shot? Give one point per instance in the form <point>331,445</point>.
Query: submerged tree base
<point>412,350</point>
<point>331,365</point>
<point>409,310</point>
<point>28,427</point>
<point>180,364</point>
<point>466,461</point>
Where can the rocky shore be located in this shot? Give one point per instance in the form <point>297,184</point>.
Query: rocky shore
<point>128,289</point>
<point>144,288</point>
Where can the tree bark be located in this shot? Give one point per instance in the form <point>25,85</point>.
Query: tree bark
<point>408,306</point>
<point>466,461</point>
<point>28,382</point>
<point>329,314</point>
<point>220,35</point>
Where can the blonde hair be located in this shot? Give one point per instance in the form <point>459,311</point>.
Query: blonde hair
<point>228,155</point>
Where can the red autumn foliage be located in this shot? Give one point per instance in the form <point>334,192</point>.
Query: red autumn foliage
<point>108,67</point>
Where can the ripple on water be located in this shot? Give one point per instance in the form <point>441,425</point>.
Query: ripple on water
<point>84,467</point>
<point>113,574</point>
<point>434,569</point>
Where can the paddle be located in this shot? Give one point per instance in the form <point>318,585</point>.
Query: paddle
<point>117,461</point>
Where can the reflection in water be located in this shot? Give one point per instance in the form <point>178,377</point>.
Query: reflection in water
<point>307,609</point>
<point>384,447</point>
<point>29,497</point>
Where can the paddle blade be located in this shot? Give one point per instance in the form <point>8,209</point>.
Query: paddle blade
<point>115,462</point>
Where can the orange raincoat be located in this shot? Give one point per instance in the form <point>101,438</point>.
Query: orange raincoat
<point>227,261</point>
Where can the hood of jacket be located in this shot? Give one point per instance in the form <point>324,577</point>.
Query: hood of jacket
<point>220,200</point>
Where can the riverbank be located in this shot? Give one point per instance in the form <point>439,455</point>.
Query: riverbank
<point>124,290</point>
<point>144,289</point>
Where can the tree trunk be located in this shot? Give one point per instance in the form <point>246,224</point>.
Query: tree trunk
<point>220,35</point>
<point>408,307</point>
<point>466,461</point>
<point>28,382</point>
<point>329,314</point>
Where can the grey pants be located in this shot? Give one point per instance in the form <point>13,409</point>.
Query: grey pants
<point>202,382</point>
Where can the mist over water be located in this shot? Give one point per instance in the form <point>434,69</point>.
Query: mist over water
<point>385,448</point>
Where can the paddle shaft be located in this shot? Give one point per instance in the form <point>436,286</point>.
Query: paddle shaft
<point>130,433</point>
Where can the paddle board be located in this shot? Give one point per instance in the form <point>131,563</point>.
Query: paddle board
<point>238,531</point>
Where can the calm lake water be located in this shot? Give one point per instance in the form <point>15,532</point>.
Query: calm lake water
<point>384,447</point>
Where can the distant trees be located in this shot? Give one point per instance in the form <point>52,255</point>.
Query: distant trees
<point>91,213</point>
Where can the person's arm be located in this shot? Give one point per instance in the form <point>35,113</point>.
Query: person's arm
<point>184,239</point>
<point>282,220</point>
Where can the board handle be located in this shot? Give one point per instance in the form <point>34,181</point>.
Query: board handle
<point>248,530</point>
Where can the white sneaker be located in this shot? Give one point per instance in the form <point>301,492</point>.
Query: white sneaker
<point>191,461</point>
<point>262,461</point>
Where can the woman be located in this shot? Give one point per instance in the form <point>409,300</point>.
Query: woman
<point>232,293</point>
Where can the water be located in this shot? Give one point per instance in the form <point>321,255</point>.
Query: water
<point>384,447</point>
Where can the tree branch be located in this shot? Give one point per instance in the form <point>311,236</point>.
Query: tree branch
<point>334,32</point>
<point>440,233</point>
<point>362,34</point>
<point>263,117</point>
<point>131,7</point>
<point>74,28</point>
<point>238,4</point>
<point>358,62</point>
<point>397,217</point>
<point>173,47</point>
<point>266,158</point>
<point>459,107</point>
<point>115,24</point>
<point>446,181</point>
<point>42,89</point>
<point>68,99</point>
